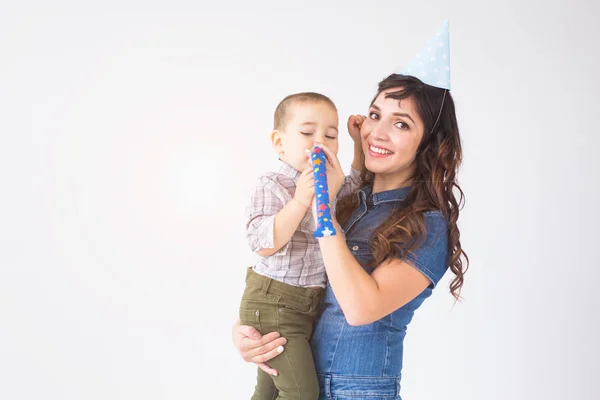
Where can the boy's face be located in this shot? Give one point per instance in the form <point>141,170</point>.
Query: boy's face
<point>307,122</point>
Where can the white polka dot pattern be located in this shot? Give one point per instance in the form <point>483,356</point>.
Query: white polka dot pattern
<point>432,63</point>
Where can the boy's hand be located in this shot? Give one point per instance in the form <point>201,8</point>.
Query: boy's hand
<point>354,124</point>
<point>305,189</point>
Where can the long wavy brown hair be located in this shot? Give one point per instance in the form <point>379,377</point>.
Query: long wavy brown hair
<point>433,187</point>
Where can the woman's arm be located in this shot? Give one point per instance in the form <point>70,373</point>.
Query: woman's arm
<point>364,298</point>
<point>367,298</point>
<point>359,156</point>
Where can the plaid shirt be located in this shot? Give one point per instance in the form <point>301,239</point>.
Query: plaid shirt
<point>299,262</point>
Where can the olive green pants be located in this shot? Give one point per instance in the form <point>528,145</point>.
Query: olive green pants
<point>272,306</point>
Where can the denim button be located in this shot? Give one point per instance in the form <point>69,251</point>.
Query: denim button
<point>355,248</point>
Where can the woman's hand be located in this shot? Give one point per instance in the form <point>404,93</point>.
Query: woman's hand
<point>255,348</point>
<point>354,124</point>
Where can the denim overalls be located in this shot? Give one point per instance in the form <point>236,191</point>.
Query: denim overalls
<point>364,362</point>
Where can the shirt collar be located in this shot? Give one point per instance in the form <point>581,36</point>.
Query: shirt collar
<point>366,195</point>
<point>289,171</point>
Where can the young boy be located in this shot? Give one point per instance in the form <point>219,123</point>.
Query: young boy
<point>284,288</point>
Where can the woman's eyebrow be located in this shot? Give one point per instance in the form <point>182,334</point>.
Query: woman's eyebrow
<point>396,113</point>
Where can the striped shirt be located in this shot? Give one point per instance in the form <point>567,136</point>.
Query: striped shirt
<point>299,262</point>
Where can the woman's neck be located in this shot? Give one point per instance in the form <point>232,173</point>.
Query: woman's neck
<point>382,182</point>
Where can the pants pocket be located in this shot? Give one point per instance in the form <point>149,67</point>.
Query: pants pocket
<point>310,306</point>
<point>303,307</point>
<point>262,317</point>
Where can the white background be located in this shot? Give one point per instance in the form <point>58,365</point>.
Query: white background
<point>130,134</point>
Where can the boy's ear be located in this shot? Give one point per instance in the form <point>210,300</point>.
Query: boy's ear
<point>276,142</point>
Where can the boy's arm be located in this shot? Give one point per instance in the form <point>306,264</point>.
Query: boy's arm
<point>270,222</point>
<point>285,224</point>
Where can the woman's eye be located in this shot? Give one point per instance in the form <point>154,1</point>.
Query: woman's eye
<point>402,125</point>
<point>373,115</point>
<point>306,133</point>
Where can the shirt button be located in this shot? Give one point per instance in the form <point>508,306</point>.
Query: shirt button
<point>355,248</point>
<point>257,313</point>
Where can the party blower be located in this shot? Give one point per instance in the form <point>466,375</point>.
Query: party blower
<point>324,225</point>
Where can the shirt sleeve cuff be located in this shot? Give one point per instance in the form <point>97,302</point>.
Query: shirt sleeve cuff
<point>262,236</point>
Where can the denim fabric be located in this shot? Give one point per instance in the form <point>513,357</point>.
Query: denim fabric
<point>365,362</point>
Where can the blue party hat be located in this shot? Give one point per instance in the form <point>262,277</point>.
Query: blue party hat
<point>432,63</point>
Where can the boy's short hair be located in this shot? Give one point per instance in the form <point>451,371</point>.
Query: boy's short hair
<point>283,108</point>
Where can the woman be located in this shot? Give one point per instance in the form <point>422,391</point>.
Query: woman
<point>399,237</point>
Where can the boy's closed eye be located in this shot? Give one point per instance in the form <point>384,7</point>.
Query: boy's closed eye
<point>310,134</point>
